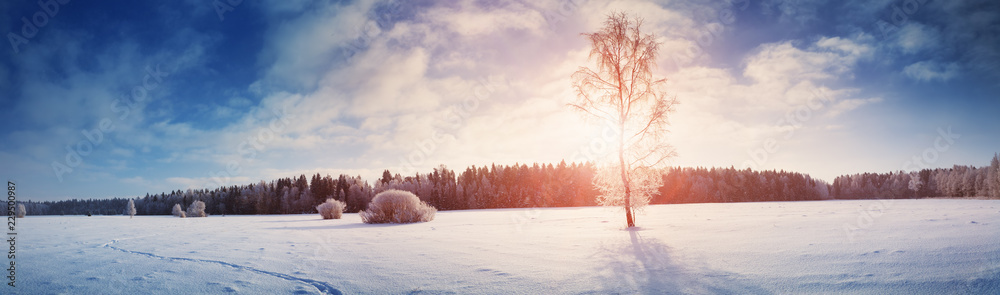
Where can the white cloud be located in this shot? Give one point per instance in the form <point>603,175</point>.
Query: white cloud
<point>384,82</point>
<point>780,93</point>
<point>850,50</point>
<point>929,71</point>
<point>467,18</point>
<point>851,104</point>
<point>915,38</point>
<point>781,65</point>
<point>797,12</point>
<point>300,50</point>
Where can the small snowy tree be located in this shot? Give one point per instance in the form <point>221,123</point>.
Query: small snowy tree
<point>20,212</point>
<point>331,209</point>
<point>396,206</point>
<point>130,209</point>
<point>178,211</point>
<point>196,209</point>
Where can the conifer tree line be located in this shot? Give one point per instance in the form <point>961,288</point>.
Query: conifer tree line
<point>958,181</point>
<point>723,185</point>
<point>496,186</point>
<point>114,206</point>
<point>542,185</point>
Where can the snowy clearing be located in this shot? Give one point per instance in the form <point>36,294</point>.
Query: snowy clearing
<point>902,246</point>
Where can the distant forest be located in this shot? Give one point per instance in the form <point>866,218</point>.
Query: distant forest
<point>544,185</point>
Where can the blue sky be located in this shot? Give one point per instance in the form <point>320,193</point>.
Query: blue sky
<point>191,94</point>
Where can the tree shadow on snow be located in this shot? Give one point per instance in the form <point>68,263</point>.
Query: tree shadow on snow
<point>644,265</point>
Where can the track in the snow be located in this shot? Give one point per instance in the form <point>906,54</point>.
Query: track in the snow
<point>323,287</point>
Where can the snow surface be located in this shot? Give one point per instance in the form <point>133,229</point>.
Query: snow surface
<point>904,246</point>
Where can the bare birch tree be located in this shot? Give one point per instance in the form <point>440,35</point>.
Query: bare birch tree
<point>623,93</point>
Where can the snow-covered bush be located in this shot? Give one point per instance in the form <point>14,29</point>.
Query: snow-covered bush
<point>20,212</point>
<point>197,209</point>
<point>396,206</point>
<point>331,209</point>
<point>178,211</point>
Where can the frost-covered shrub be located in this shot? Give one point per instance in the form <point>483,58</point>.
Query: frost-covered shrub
<point>331,209</point>
<point>20,212</point>
<point>197,209</point>
<point>178,211</point>
<point>396,206</point>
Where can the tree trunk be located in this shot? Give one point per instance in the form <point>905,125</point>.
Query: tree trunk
<point>625,183</point>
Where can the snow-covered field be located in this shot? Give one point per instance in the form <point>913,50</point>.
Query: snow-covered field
<point>904,246</point>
